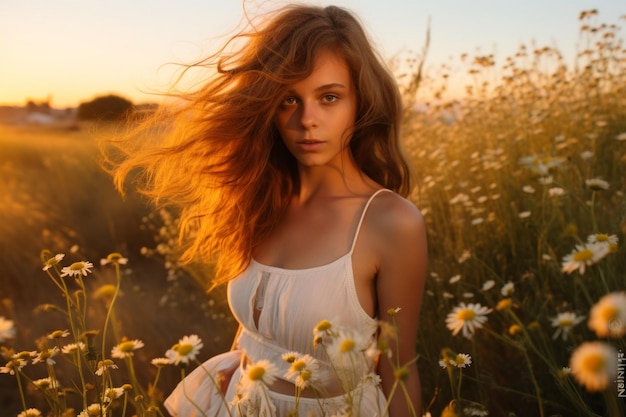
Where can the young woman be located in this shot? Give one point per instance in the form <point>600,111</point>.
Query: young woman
<point>287,169</point>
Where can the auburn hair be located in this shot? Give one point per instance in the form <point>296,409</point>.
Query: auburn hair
<point>218,156</point>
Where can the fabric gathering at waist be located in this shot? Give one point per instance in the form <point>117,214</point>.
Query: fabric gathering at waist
<point>257,348</point>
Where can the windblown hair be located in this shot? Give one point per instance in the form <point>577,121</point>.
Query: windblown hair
<point>219,157</point>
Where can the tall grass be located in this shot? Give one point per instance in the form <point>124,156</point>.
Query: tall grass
<point>504,191</point>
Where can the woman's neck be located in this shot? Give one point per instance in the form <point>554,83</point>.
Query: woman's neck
<point>332,181</point>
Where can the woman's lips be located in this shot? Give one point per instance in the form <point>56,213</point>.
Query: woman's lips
<point>310,144</point>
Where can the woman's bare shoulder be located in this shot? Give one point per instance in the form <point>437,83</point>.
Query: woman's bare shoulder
<point>392,214</point>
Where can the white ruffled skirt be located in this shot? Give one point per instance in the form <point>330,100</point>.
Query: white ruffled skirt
<point>198,395</point>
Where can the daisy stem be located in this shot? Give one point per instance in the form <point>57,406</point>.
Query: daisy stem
<point>594,227</point>
<point>583,288</point>
<point>216,383</point>
<point>390,396</point>
<point>133,376</point>
<point>20,388</point>
<point>125,406</point>
<point>458,385</point>
<point>613,407</point>
<point>110,308</point>
<point>68,301</point>
<point>187,397</point>
<point>409,403</point>
<point>534,380</point>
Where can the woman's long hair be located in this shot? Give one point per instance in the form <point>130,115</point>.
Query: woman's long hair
<point>219,157</point>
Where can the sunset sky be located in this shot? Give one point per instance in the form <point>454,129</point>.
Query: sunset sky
<point>70,51</point>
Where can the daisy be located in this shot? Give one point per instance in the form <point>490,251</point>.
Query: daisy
<point>583,256</point>
<point>31,412</point>
<point>185,350</point>
<point>487,285</point>
<point>46,383</point>
<point>251,388</point>
<point>586,155</point>
<point>303,371</point>
<point>114,259</point>
<point>564,322</point>
<point>94,410</point>
<point>475,411</point>
<point>610,241</point>
<point>105,292</point>
<point>46,355</point>
<point>50,262</point>
<point>597,184</point>
<point>346,348</point>
<point>515,329</point>
<point>57,334</point>
<point>77,269</point>
<point>608,316</point>
<point>104,365</point>
<point>546,180</point>
<point>322,331</point>
<point>594,365</point>
<point>12,365</point>
<point>160,362</point>
<point>556,192</point>
<point>261,372</point>
<point>508,289</point>
<point>112,394</point>
<point>467,318</point>
<point>7,329</point>
<point>455,279</point>
<point>71,348</point>
<point>461,360</point>
<point>125,348</point>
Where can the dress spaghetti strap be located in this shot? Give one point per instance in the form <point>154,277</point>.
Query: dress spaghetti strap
<point>358,227</point>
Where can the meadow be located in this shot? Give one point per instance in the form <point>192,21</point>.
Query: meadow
<point>522,184</point>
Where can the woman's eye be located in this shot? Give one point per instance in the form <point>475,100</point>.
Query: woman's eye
<point>329,98</point>
<point>289,101</point>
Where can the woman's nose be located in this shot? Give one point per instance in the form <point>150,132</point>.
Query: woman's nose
<point>308,116</point>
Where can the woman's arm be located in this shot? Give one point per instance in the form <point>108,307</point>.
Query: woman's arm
<point>399,285</point>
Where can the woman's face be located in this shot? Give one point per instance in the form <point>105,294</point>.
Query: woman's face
<point>316,116</point>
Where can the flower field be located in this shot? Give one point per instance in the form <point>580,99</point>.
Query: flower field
<point>521,181</point>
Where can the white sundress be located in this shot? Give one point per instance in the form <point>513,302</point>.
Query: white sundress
<point>291,303</point>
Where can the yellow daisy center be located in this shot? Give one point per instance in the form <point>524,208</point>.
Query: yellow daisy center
<point>323,326</point>
<point>256,373</point>
<point>504,304</point>
<point>467,314</point>
<point>114,257</point>
<point>126,346</point>
<point>514,329</point>
<point>593,363</point>
<point>305,375</point>
<point>77,266</point>
<point>401,373</point>
<point>583,255</point>
<point>608,312</point>
<point>298,365</point>
<point>601,237</point>
<point>346,346</point>
<point>184,349</point>
<point>566,323</point>
<point>57,334</point>
<point>105,291</point>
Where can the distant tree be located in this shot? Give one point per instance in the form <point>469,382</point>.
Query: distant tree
<point>110,107</point>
